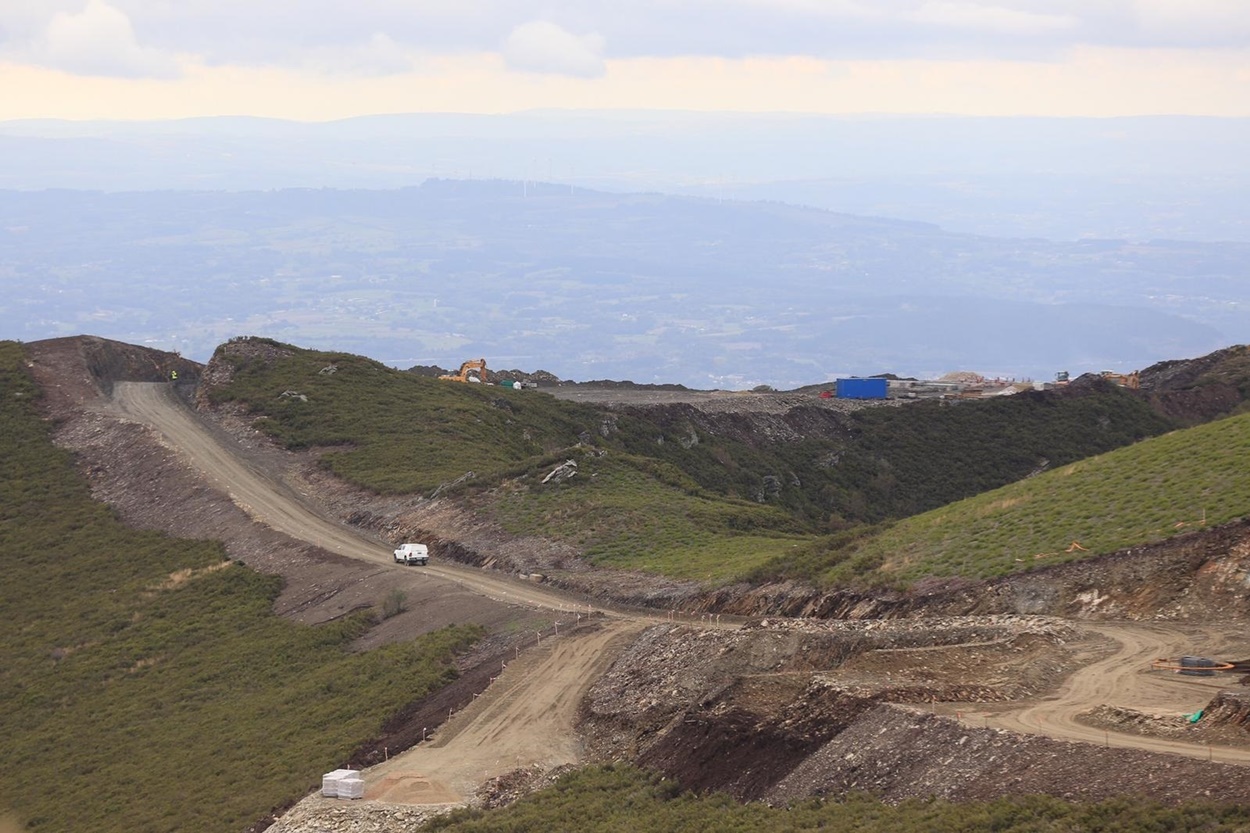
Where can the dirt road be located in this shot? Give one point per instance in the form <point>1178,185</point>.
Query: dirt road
<point>275,504</point>
<point>522,720</point>
<point>525,718</point>
<point>1119,675</point>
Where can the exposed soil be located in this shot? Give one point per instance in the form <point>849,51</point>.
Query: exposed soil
<point>909,709</point>
<point>906,695</point>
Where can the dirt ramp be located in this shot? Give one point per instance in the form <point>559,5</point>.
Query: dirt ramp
<point>85,367</point>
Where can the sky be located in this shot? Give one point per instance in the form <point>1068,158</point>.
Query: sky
<point>318,60</point>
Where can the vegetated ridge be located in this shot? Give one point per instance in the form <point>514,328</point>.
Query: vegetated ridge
<point>1204,577</point>
<point>672,489</point>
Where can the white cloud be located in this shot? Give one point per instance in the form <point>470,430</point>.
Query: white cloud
<point>99,40</point>
<point>1217,22</point>
<point>379,55</point>
<point>385,37</point>
<point>539,46</point>
<point>817,8</point>
<point>999,19</point>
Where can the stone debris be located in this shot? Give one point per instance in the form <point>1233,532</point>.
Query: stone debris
<point>316,814</point>
<point>564,471</point>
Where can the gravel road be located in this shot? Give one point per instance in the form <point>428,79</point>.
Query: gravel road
<point>273,503</point>
<point>1122,677</point>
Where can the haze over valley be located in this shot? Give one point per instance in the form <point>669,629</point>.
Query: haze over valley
<point>713,288</point>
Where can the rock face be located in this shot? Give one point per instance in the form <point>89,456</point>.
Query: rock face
<point>899,754</point>
<point>739,710</point>
<point>1198,390</point>
<point>784,711</point>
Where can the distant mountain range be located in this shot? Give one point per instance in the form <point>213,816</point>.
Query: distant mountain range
<point>585,284</point>
<point>1137,178</point>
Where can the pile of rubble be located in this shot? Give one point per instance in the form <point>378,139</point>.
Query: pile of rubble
<point>316,814</point>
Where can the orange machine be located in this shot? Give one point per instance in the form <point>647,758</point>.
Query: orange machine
<point>467,371</point>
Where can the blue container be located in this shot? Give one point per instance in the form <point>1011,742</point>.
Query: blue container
<point>862,388</point>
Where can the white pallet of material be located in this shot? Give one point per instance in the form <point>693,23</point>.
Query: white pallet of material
<point>330,781</point>
<point>351,788</point>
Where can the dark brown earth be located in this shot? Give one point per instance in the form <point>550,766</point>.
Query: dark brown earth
<point>881,701</point>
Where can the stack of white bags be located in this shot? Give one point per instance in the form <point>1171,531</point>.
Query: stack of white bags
<point>343,783</point>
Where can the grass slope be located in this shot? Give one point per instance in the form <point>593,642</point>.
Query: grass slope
<point>395,432</point>
<point>632,513</point>
<point>673,510</point>
<point>612,799</point>
<point>665,496</point>
<point>1130,496</point>
<point>146,683</point>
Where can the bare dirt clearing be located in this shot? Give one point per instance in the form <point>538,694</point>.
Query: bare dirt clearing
<point>1122,678</point>
<point>523,720</point>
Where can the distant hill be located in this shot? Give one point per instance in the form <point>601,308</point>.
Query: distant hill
<point>668,488</point>
<point>657,289</point>
<point>1136,178</point>
<point>1183,481</point>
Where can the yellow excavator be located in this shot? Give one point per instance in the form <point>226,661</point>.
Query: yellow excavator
<point>1131,381</point>
<point>471,371</point>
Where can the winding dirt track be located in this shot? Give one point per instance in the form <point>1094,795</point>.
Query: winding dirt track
<point>276,505</point>
<point>527,716</point>
<point>1122,677</point>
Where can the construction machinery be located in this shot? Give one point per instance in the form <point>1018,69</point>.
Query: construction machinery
<point>1131,381</point>
<point>471,371</point>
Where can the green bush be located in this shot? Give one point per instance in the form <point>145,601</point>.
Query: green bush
<point>395,603</point>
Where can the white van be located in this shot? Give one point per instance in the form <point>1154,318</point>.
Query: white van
<point>412,554</point>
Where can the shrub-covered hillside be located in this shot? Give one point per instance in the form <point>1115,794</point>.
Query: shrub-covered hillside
<point>902,461</point>
<point>146,684</point>
<point>1157,488</point>
<point>673,496</point>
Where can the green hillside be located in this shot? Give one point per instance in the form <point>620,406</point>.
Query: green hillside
<point>656,491</point>
<point>637,502</point>
<point>1146,492</point>
<point>631,512</point>
<point>146,683</point>
<point>903,461</point>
